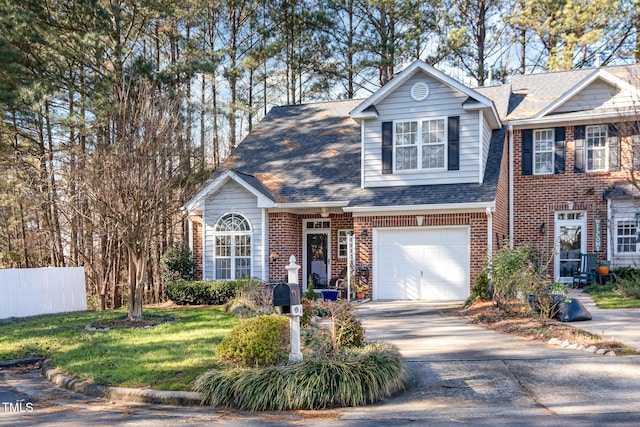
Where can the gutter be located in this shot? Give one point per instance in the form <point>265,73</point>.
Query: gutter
<point>511,219</point>
<point>448,207</point>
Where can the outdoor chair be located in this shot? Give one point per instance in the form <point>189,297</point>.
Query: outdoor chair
<point>586,275</point>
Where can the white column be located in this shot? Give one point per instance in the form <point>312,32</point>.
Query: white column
<point>294,319</point>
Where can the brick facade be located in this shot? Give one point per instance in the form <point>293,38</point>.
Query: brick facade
<point>196,230</point>
<point>537,198</point>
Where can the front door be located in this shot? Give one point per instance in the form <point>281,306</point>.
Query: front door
<point>570,238</point>
<point>317,253</point>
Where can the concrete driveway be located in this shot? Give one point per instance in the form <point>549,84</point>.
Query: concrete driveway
<point>467,374</point>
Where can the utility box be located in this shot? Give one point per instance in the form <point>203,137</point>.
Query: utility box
<point>286,298</point>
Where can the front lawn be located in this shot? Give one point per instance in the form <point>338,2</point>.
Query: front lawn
<point>608,296</point>
<point>168,356</point>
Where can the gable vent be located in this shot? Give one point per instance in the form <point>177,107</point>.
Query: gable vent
<point>419,91</point>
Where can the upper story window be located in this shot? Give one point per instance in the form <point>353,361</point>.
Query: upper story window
<point>420,145</point>
<point>596,139</point>
<point>543,142</point>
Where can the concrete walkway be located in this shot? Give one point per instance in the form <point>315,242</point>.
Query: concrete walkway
<point>618,324</point>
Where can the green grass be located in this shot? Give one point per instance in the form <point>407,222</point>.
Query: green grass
<point>607,296</point>
<point>168,356</point>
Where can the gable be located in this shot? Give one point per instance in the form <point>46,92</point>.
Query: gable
<point>597,95</point>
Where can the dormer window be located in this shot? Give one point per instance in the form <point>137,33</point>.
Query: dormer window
<point>420,145</point>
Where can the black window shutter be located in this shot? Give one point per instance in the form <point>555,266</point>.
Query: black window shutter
<point>579,151</point>
<point>387,147</point>
<point>614,148</point>
<point>635,138</point>
<point>527,152</point>
<point>453,150</point>
<point>559,150</point>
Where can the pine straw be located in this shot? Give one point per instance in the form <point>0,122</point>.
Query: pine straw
<point>488,315</point>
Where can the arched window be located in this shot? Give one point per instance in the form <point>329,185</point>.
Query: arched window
<point>233,247</point>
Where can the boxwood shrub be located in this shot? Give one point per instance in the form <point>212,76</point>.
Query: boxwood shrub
<point>201,292</point>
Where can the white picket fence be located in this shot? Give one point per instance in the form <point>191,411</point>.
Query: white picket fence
<point>33,291</point>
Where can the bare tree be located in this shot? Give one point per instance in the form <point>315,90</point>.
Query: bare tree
<point>134,180</point>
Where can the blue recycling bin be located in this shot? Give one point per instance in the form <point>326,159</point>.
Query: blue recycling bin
<point>329,294</point>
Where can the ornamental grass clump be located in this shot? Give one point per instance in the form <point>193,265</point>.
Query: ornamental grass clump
<point>357,377</point>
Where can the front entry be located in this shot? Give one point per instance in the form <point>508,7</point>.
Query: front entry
<point>570,238</point>
<point>316,253</point>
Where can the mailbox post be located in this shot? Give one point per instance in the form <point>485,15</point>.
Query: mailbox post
<point>286,299</point>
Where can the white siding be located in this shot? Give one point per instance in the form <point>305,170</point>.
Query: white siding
<point>486,143</point>
<point>598,94</point>
<point>233,198</point>
<point>622,210</point>
<point>443,101</point>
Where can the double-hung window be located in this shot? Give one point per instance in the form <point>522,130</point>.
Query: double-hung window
<point>543,141</point>
<point>626,236</point>
<point>232,247</point>
<point>420,145</point>
<point>596,138</point>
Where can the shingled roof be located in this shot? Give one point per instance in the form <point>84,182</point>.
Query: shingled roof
<point>311,154</point>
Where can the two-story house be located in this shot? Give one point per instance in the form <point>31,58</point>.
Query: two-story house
<point>430,176</point>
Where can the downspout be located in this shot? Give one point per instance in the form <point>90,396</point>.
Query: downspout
<point>362,133</point>
<point>610,240</point>
<point>511,213</point>
<point>204,239</point>
<point>489,235</point>
<point>265,237</point>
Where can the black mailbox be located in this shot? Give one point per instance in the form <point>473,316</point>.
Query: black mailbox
<point>285,295</point>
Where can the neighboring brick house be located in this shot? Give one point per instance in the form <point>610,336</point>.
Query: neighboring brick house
<point>429,175</point>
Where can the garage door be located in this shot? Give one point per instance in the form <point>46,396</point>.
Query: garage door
<point>424,264</point>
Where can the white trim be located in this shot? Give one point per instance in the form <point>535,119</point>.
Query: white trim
<point>316,205</point>
<point>265,241</point>
<point>197,201</point>
<point>610,238</point>
<point>556,240</point>
<point>481,164</point>
<point>597,74</point>
<point>305,233</point>
<point>419,145</point>
<point>358,113</point>
<point>489,212</point>
<point>553,150</point>
<point>412,209</point>
<point>362,137</point>
<point>575,119</point>
<point>511,186</point>
<point>204,242</point>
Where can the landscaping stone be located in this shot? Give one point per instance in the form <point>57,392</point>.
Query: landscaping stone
<point>611,354</point>
<point>565,344</point>
<point>555,341</point>
<point>591,349</point>
<point>601,351</point>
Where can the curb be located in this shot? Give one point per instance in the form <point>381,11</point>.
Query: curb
<point>157,397</point>
<point>20,362</point>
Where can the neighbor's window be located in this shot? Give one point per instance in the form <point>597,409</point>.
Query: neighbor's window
<point>543,151</point>
<point>342,243</point>
<point>428,153</point>
<point>596,137</point>
<point>232,247</point>
<point>626,236</point>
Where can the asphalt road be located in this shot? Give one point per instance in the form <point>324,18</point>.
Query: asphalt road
<point>459,374</point>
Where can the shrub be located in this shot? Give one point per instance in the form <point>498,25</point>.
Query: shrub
<point>480,290</point>
<point>310,294</point>
<point>630,287</point>
<point>202,292</point>
<point>358,377</point>
<point>253,298</point>
<point>259,341</point>
<point>627,273</point>
<point>177,264</point>
<point>514,276</point>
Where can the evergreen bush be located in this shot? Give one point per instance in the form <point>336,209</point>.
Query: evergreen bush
<point>201,292</point>
<point>258,341</point>
<point>177,264</point>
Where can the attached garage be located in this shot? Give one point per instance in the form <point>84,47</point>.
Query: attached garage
<point>421,264</point>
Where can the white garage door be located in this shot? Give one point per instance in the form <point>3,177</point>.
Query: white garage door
<point>424,264</point>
